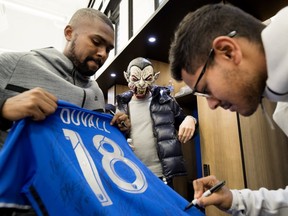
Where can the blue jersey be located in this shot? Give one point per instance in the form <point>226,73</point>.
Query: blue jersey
<point>75,163</point>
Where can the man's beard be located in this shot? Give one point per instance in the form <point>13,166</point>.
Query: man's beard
<point>82,67</point>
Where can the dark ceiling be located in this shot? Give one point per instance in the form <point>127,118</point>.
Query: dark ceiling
<point>162,25</point>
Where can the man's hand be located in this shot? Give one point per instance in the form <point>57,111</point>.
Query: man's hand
<point>222,199</point>
<point>122,121</point>
<point>186,129</point>
<point>35,103</point>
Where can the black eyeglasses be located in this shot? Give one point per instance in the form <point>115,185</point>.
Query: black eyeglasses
<point>210,55</point>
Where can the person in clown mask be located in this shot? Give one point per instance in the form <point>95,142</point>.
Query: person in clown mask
<point>158,123</point>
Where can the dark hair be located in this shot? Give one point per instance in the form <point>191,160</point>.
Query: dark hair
<point>194,35</point>
<point>89,13</point>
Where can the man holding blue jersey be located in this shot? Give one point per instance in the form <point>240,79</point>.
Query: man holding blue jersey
<point>32,82</point>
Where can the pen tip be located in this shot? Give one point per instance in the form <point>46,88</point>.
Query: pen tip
<point>188,206</point>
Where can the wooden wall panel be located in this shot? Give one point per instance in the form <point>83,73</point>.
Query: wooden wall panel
<point>165,76</point>
<point>265,151</point>
<point>121,88</point>
<point>220,147</point>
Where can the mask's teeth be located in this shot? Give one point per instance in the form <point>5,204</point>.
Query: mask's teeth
<point>140,91</point>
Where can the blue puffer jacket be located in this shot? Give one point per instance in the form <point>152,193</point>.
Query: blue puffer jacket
<point>167,115</point>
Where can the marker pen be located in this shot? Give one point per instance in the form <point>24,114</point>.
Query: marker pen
<point>207,193</point>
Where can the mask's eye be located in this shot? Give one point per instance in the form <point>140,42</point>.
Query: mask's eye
<point>149,78</point>
<point>134,79</point>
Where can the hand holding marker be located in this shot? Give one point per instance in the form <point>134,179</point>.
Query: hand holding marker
<point>207,193</point>
<point>129,140</point>
<point>122,122</point>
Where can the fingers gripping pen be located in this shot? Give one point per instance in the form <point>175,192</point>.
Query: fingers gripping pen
<point>122,122</point>
<point>207,193</point>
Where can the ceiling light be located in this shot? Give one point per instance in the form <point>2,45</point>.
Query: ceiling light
<point>113,75</point>
<point>152,39</point>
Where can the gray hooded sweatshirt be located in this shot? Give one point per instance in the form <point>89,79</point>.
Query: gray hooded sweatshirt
<point>51,70</point>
